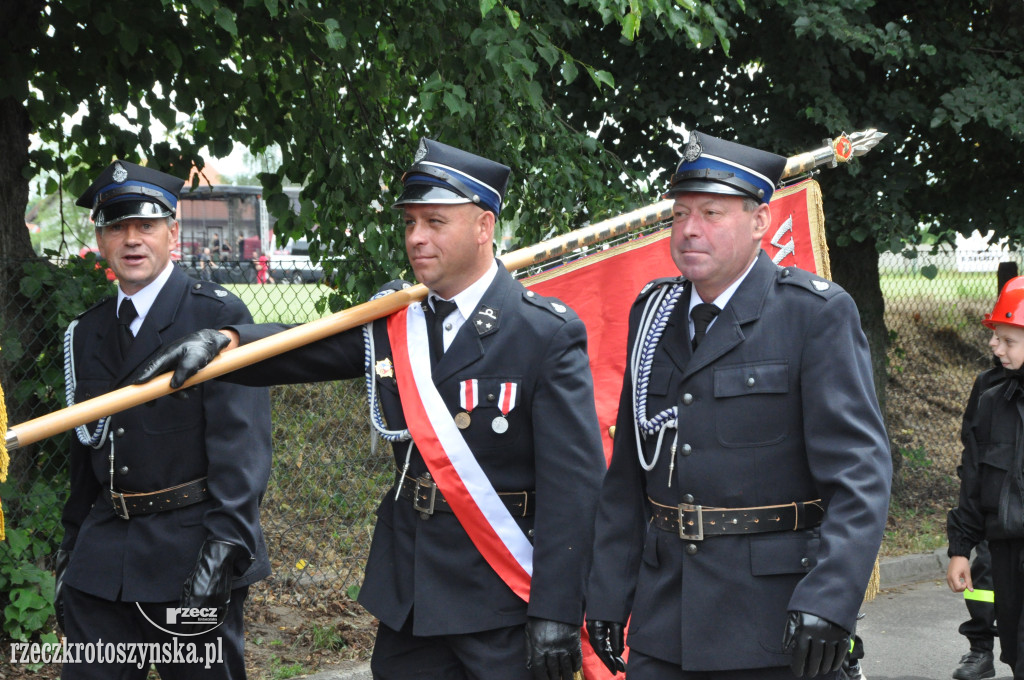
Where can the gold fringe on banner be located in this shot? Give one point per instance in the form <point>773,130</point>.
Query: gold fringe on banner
<point>874,583</point>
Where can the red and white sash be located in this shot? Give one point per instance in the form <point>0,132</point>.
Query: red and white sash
<point>452,464</point>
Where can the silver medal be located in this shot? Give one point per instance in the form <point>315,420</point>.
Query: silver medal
<point>499,425</point>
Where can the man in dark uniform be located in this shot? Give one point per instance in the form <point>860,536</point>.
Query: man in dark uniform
<point>479,574</point>
<point>749,484</point>
<point>164,507</point>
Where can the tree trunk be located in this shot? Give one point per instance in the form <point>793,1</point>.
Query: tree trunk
<point>855,268</point>
<point>20,321</point>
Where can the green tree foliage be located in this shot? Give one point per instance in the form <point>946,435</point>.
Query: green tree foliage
<point>344,90</point>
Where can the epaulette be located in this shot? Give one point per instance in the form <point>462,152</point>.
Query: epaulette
<point>652,286</point>
<point>209,289</point>
<point>551,304</point>
<point>391,287</point>
<point>794,276</point>
<point>102,300</point>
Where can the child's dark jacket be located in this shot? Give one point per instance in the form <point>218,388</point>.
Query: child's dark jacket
<point>991,502</point>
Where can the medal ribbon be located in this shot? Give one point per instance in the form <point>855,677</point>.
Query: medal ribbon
<point>452,464</point>
<point>469,395</point>
<point>507,397</point>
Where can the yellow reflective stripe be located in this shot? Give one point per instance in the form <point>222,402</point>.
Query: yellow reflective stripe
<point>851,645</point>
<point>980,595</point>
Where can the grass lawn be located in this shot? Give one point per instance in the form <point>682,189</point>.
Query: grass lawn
<point>952,286</point>
<point>280,303</point>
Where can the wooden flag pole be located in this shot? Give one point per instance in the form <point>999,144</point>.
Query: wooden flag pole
<point>839,150</point>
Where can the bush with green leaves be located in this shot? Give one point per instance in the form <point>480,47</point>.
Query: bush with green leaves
<point>32,354</point>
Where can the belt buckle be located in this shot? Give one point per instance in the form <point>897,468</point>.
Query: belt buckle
<point>429,509</point>
<point>120,509</point>
<point>684,507</point>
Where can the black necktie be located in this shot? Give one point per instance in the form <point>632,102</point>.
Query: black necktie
<point>442,308</point>
<point>702,315</point>
<point>126,313</point>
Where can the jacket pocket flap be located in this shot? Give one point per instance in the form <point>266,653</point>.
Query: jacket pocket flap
<point>997,455</point>
<point>766,378</point>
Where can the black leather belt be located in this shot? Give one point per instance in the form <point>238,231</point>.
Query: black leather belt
<point>128,503</point>
<point>695,522</point>
<point>427,500</point>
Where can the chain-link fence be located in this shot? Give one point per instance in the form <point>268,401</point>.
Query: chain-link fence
<point>329,473</point>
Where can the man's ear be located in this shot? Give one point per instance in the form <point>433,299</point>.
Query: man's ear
<point>762,221</point>
<point>485,227</point>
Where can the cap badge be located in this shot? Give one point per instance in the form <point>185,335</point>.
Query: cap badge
<point>692,150</point>
<point>421,152</point>
<point>120,174</point>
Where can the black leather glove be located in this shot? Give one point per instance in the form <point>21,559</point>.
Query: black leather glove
<point>209,584</point>
<point>553,649</point>
<point>186,355</point>
<point>608,641</point>
<point>60,565</point>
<point>818,646</point>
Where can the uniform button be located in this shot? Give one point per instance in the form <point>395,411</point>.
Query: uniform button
<point>119,432</point>
<point>688,499</point>
<point>691,548</point>
<point>529,293</point>
<point>490,397</point>
<point>686,450</point>
<point>750,381</point>
<point>687,398</point>
<point>123,470</point>
<point>447,326</point>
<point>530,533</point>
<point>198,286</point>
<point>804,562</point>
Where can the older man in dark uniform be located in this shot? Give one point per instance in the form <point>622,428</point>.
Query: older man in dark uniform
<point>482,546</point>
<point>749,484</point>
<point>162,535</point>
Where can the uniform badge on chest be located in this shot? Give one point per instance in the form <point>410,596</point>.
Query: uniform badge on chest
<point>384,368</point>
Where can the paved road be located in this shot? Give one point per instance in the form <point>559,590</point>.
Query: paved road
<point>909,630</point>
<point>910,633</point>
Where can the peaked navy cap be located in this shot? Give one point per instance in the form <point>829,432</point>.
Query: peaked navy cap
<point>443,174</point>
<point>716,166</point>
<point>126,190</point>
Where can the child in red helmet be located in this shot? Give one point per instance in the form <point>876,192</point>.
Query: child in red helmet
<point>991,501</point>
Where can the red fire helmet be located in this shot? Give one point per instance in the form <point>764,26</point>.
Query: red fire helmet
<point>1009,307</point>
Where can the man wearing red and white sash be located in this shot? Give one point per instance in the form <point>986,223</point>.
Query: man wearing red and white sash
<point>482,547</point>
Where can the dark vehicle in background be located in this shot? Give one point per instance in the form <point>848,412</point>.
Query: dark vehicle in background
<point>291,264</point>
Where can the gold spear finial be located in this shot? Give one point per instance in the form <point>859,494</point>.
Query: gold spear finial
<point>835,151</point>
